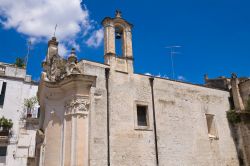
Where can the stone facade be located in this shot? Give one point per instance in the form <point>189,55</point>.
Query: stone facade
<point>105,114</point>
<point>239,100</point>
<point>238,87</point>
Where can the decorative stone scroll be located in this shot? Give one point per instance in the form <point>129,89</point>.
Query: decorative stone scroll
<point>57,68</point>
<point>77,105</point>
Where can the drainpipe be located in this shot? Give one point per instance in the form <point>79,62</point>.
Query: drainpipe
<point>151,79</point>
<point>108,132</point>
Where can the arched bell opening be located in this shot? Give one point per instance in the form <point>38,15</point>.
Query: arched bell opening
<point>119,41</point>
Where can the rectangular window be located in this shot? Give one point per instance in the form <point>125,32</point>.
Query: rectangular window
<point>142,115</point>
<point>2,95</point>
<point>3,154</point>
<point>212,133</point>
<point>3,150</point>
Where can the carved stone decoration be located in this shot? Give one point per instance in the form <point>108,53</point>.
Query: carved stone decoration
<point>233,75</point>
<point>77,105</point>
<point>72,68</point>
<point>56,67</point>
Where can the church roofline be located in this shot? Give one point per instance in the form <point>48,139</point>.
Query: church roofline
<point>94,63</point>
<point>189,83</point>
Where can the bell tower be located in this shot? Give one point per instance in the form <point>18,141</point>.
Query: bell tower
<point>118,50</point>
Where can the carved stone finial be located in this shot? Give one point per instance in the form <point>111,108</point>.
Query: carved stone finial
<point>56,67</point>
<point>53,41</point>
<point>233,75</point>
<point>72,57</point>
<point>73,51</point>
<point>72,67</point>
<point>205,77</point>
<point>54,38</point>
<point>118,14</point>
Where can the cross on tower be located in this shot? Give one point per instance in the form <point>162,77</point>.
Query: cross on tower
<point>118,13</point>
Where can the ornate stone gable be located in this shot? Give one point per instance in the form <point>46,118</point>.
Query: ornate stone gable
<point>56,67</point>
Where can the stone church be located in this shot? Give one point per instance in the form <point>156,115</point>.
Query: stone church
<point>96,114</point>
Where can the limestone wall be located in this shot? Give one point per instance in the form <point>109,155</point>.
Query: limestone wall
<point>98,115</point>
<point>183,114</point>
<point>128,145</point>
<point>182,131</point>
<point>182,126</point>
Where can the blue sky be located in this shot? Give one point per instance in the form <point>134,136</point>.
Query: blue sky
<point>214,35</point>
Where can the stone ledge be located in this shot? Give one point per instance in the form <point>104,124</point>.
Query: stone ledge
<point>32,121</point>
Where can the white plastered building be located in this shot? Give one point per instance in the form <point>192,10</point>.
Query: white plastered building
<point>17,147</point>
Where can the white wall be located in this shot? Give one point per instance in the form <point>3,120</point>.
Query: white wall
<point>16,91</point>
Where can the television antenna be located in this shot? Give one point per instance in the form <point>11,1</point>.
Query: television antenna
<point>55,31</point>
<point>28,52</point>
<point>172,53</point>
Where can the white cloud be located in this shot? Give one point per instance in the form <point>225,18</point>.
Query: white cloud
<point>95,39</point>
<point>158,75</point>
<point>148,74</point>
<point>37,20</point>
<point>181,78</point>
<point>165,76</point>
<point>74,45</point>
<point>62,50</point>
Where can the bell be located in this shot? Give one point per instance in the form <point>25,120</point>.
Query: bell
<point>118,35</point>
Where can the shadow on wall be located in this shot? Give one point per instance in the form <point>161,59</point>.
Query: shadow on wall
<point>240,131</point>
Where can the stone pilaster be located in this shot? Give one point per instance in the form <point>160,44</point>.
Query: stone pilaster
<point>109,37</point>
<point>238,103</point>
<point>66,121</point>
<point>77,111</point>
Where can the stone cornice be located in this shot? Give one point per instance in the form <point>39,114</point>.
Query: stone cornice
<point>56,90</point>
<point>88,79</point>
<point>117,19</point>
